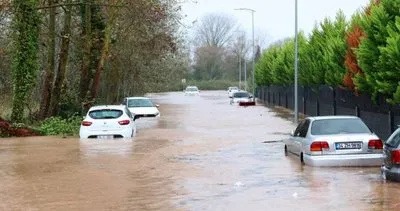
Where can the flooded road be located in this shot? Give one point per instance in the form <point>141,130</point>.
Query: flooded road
<point>203,154</point>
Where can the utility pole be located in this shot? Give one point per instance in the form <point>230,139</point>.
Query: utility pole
<point>296,106</point>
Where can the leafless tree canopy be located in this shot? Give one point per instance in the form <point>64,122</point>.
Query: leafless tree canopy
<point>215,30</point>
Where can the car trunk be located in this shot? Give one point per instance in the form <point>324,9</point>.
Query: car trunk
<point>347,144</point>
<point>105,125</point>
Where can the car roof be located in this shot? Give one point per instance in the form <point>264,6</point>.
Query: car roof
<point>332,117</point>
<point>133,98</point>
<point>99,107</point>
<point>191,87</point>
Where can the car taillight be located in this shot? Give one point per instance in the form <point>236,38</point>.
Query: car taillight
<point>375,144</point>
<point>318,146</point>
<point>124,122</point>
<point>86,123</point>
<point>396,156</point>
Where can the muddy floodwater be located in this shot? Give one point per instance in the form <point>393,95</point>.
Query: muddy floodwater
<point>202,154</point>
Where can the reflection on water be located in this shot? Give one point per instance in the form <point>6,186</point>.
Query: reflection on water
<point>104,147</point>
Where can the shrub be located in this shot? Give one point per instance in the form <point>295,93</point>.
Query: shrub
<point>61,126</point>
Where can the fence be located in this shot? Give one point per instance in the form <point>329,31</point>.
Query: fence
<point>380,116</point>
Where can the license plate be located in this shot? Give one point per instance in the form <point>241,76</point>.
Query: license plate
<point>348,145</point>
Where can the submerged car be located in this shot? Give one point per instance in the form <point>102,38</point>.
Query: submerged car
<point>108,121</point>
<point>192,91</point>
<point>232,90</point>
<point>335,141</point>
<point>240,96</point>
<point>142,107</point>
<point>391,153</point>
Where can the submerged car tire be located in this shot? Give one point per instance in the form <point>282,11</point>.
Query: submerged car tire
<point>286,151</point>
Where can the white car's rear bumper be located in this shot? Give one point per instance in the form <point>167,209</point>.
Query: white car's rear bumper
<point>125,133</point>
<point>344,160</point>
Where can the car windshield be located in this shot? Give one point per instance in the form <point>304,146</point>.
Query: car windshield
<point>139,103</point>
<point>192,89</point>
<point>339,126</point>
<point>241,95</point>
<point>105,114</point>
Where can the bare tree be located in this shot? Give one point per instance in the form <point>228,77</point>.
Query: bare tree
<point>215,30</point>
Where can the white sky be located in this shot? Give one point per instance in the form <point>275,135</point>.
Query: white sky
<point>274,18</point>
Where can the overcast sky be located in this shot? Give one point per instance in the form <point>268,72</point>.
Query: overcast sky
<point>274,18</point>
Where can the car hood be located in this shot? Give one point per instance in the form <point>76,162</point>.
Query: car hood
<point>143,110</point>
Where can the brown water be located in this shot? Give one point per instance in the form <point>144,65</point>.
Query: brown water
<point>203,154</point>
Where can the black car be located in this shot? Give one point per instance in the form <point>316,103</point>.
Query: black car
<point>391,166</point>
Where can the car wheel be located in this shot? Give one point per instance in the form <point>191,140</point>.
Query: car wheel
<point>301,158</point>
<point>286,151</point>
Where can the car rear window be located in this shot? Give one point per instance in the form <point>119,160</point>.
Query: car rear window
<point>339,126</point>
<point>106,114</point>
<point>395,139</point>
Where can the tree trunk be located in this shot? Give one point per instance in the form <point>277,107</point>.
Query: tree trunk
<point>25,28</point>
<point>62,65</point>
<point>87,34</point>
<point>103,57</point>
<point>49,75</point>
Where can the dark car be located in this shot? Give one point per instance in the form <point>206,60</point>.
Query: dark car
<point>391,164</point>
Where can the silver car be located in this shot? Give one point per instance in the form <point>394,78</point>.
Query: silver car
<point>335,141</point>
<point>391,165</point>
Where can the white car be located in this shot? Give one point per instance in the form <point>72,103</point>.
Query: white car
<point>142,107</point>
<point>335,141</point>
<point>108,121</point>
<point>240,96</point>
<point>192,91</point>
<point>232,90</point>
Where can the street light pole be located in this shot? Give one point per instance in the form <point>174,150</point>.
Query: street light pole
<point>239,39</point>
<point>296,109</point>
<point>253,59</point>
<point>240,71</point>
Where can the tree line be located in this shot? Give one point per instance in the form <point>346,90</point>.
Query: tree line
<point>58,57</point>
<point>361,55</point>
<point>221,50</point>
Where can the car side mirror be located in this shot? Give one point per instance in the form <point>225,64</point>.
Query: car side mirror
<point>292,133</point>
<point>157,105</point>
<point>251,96</point>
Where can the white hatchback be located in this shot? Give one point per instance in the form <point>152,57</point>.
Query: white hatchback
<point>142,107</point>
<point>108,121</point>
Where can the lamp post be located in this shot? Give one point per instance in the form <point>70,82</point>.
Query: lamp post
<point>296,51</point>
<point>252,23</point>
<point>240,56</point>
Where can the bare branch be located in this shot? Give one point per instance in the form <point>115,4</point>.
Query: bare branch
<point>215,30</point>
